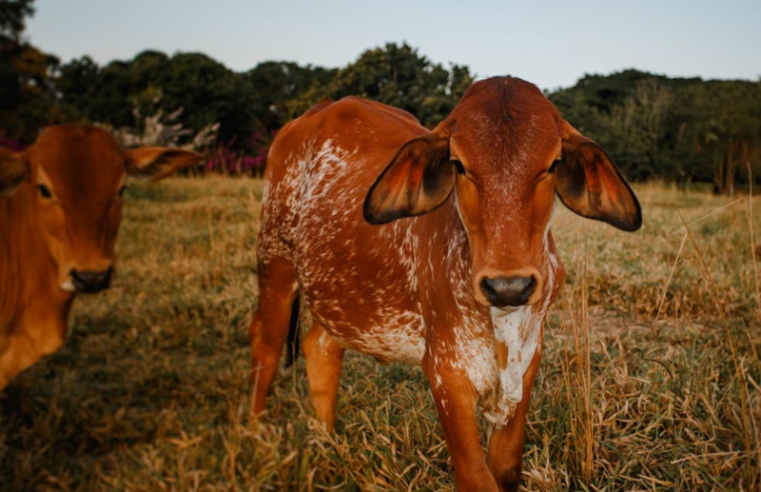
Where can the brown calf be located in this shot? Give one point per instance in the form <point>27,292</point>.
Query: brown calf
<point>60,208</point>
<point>460,284</point>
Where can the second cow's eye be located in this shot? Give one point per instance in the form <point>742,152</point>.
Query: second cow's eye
<point>553,166</point>
<point>44,191</point>
<point>458,166</point>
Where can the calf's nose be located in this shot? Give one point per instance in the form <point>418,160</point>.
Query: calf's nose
<point>88,281</point>
<point>508,291</point>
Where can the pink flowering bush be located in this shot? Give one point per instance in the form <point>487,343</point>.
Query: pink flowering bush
<point>224,159</point>
<point>11,143</point>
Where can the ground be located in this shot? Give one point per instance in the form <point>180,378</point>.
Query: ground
<point>650,378</point>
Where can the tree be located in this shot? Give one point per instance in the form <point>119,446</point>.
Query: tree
<point>398,76</point>
<point>733,131</point>
<point>682,129</point>
<point>75,80</point>
<point>635,130</point>
<point>207,91</point>
<point>13,14</point>
<point>27,93</point>
<point>276,84</point>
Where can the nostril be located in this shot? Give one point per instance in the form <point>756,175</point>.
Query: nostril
<point>508,291</point>
<point>488,290</point>
<point>528,289</point>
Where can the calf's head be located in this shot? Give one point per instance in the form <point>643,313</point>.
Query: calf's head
<point>73,184</point>
<point>504,153</point>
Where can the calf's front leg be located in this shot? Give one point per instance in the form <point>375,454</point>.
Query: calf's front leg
<point>505,456</point>
<point>455,401</point>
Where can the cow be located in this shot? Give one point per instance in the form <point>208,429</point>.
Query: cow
<point>431,247</point>
<point>60,208</point>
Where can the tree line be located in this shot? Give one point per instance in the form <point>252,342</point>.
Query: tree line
<point>675,129</point>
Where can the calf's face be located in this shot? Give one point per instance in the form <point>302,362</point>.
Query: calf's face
<point>75,187</point>
<point>505,153</point>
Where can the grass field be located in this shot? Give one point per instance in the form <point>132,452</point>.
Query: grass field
<point>641,387</point>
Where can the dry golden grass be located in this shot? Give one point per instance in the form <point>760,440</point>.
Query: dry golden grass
<point>641,387</point>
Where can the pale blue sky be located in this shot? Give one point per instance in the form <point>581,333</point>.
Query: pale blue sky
<point>551,43</point>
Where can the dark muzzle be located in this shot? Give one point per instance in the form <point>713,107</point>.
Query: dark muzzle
<point>89,282</point>
<point>508,291</point>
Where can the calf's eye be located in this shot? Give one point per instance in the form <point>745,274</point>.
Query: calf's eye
<point>553,165</point>
<point>458,165</point>
<point>44,191</point>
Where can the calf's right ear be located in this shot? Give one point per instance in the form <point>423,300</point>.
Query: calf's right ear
<point>419,179</point>
<point>157,163</point>
<point>13,171</point>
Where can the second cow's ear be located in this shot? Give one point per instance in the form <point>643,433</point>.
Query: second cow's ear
<point>589,184</point>
<point>419,179</point>
<point>156,163</point>
<point>14,170</point>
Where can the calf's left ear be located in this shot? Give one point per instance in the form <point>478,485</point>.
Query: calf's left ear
<point>13,171</point>
<point>156,163</point>
<point>589,184</point>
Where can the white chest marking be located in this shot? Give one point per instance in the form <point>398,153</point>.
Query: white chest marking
<point>519,332</point>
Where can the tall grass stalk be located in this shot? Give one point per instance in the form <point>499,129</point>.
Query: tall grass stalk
<point>580,325</point>
<point>739,368</point>
<point>753,240</point>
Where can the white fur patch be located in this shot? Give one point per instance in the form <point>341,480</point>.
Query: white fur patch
<point>519,331</point>
<point>317,177</point>
<point>67,285</point>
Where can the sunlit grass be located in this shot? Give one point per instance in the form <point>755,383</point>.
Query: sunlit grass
<point>151,391</point>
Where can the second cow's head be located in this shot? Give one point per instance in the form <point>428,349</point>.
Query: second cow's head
<point>504,153</point>
<point>70,184</point>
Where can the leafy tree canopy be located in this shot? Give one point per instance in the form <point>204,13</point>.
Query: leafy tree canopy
<point>27,93</point>
<point>396,75</point>
<point>13,14</point>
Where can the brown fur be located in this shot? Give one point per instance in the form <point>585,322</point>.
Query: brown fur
<point>45,238</point>
<point>408,288</point>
